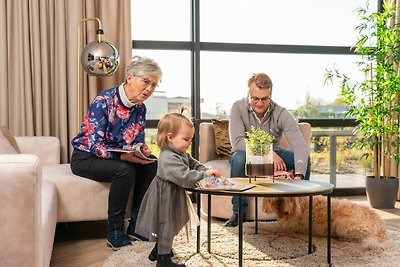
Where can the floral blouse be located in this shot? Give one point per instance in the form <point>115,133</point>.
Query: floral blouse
<point>110,124</point>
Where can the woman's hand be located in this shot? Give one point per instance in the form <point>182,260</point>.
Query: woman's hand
<point>213,172</point>
<point>130,157</point>
<point>279,164</point>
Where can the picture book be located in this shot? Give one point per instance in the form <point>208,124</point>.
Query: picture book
<point>137,151</point>
<point>221,183</point>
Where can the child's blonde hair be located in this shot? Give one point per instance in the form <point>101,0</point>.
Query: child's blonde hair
<point>170,123</point>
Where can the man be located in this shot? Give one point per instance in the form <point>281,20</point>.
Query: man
<point>258,110</point>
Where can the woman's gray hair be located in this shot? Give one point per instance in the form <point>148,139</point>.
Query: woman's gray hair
<point>143,66</point>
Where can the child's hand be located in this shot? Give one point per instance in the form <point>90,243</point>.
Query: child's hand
<point>213,172</point>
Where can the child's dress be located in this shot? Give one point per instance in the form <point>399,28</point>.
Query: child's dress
<point>165,209</point>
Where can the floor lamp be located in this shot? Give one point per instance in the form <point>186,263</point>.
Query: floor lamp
<point>98,58</point>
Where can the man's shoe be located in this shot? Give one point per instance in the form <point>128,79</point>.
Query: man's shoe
<point>154,253</point>
<point>233,221</point>
<point>116,237</point>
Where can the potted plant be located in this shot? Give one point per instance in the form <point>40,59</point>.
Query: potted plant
<point>375,101</point>
<point>259,148</point>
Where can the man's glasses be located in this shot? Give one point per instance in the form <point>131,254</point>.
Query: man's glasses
<point>262,100</point>
<point>147,82</point>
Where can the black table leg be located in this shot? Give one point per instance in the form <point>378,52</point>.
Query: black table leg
<point>310,208</point>
<point>256,214</point>
<point>209,223</point>
<point>198,226</point>
<point>328,245</point>
<point>240,231</point>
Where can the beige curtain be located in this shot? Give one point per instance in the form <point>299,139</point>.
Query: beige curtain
<point>38,57</point>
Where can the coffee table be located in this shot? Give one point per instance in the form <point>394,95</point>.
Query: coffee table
<point>268,188</point>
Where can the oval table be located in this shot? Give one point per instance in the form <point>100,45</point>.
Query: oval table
<point>266,187</point>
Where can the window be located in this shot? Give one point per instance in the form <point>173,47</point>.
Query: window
<point>161,20</point>
<point>174,88</point>
<point>297,78</point>
<point>305,22</point>
<point>292,41</point>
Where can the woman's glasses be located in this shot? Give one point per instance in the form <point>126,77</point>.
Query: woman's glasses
<point>147,82</point>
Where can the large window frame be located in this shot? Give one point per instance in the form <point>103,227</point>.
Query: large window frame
<point>195,46</point>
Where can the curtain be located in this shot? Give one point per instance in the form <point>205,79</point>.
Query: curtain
<point>38,77</point>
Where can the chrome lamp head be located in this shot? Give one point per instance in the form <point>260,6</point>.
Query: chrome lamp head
<point>100,58</point>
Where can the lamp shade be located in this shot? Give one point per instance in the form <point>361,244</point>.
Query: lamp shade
<point>100,58</point>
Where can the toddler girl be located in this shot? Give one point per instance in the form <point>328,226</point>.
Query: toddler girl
<point>165,208</point>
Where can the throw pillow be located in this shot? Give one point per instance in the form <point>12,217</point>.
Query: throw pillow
<point>8,144</point>
<point>222,142</point>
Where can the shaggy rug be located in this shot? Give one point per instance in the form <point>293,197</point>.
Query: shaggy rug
<point>263,249</point>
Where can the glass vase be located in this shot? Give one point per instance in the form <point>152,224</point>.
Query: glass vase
<point>259,161</point>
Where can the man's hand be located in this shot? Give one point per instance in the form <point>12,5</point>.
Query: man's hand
<point>134,159</point>
<point>279,164</point>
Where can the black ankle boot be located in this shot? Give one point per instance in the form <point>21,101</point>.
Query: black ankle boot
<point>154,253</point>
<point>165,261</point>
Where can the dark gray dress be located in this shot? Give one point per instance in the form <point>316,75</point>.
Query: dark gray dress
<point>164,209</point>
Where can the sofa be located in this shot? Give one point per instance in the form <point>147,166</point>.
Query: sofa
<point>37,192</point>
<point>221,206</point>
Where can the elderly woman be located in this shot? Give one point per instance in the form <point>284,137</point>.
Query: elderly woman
<point>116,119</point>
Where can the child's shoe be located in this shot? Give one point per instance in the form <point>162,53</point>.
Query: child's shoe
<point>165,261</point>
<point>154,253</point>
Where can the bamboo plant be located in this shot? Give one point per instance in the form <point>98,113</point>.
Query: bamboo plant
<point>374,101</point>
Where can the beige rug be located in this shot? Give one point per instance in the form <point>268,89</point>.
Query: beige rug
<point>262,249</point>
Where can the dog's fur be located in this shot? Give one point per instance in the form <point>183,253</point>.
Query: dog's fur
<point>349,221</point>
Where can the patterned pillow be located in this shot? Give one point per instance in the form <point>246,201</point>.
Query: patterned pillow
<point>222,142</point>
<point>8,144</point>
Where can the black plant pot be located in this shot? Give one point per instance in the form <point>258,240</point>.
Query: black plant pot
<point>382,193</point>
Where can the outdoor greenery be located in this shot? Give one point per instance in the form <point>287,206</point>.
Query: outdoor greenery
<point>347,157</point>
<point>258,141</point>
<point>374,102</point>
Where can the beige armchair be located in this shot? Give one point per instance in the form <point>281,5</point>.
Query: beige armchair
<point>221,205</point>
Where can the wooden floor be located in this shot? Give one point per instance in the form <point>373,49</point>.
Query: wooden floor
<point>84,244</point>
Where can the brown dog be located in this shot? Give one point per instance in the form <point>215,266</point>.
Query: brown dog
<point>348,221</point>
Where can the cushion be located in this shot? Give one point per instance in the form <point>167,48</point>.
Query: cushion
<point>222,143</point>
<point>8,144</point>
